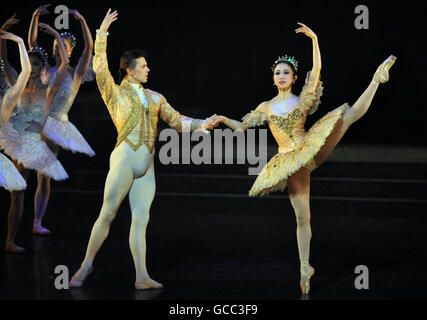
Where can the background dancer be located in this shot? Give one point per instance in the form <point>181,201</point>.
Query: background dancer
<point>58,130</point>
<point>21,138</point>
<point>10,178</point>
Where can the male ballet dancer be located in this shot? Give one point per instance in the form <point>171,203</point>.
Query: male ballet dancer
<point>134,111</point>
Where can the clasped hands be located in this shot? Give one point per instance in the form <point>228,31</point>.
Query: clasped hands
<point>214,121</point>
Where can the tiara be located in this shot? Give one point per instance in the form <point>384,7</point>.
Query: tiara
<point>286,58</point>
<point>40,51</point>
<point>70,37</point>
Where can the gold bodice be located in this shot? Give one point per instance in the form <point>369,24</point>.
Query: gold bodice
<point>288,129</point>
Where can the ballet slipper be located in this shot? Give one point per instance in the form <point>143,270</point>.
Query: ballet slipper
<point>39,230</point>
<point>11,247</point>
<point>381,75</point>
<point>150,284</point>
<point>79,277</point>
<point>307,272</point>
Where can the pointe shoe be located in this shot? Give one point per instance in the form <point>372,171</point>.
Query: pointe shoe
<point>307,272</point>
<point>13,248</point>
<point>150,284</point>
<point>79,277</point>
<point>41,231</point>
<point>381,75</point>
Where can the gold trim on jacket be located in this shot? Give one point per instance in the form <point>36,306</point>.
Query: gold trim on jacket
<point>125,106</point>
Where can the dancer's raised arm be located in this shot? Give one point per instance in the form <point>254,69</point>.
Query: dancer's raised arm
<point>62,69</point>
<point>14,93</point>
<point>317,60</point>
<point>104,79</point>
<point>34,26</point>
<point>9,72</point>
<point>87,51</point>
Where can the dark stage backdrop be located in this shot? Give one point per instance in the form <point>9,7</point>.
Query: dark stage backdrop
<point>215,56</point>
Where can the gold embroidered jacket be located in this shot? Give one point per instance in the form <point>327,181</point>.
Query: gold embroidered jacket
<point>125,106</point>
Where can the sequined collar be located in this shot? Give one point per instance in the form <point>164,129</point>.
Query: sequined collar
<point>288,120</point>
<point>127,85</point>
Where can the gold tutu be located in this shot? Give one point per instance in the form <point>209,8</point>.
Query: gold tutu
<point>274,175</point>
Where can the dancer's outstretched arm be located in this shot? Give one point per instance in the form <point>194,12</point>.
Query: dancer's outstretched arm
<point>317,60</point>
<point>255,118</point>
<point>104,79</point>
<point>234,124</point>
<point>34,26</point>
<point>179,122</point>
<point>87,51</point>
<point>14,93</point>
<point>9,72</point>
<point>63,67</point>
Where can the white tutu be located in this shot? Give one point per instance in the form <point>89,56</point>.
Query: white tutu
<point>32,152</point>
<point>66,135</point>
<point>10,178</point>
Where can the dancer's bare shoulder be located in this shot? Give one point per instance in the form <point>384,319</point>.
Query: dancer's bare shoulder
<point>263,107</point>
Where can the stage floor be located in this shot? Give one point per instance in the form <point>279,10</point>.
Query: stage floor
<point>207,240</point>
<point>222,256</point>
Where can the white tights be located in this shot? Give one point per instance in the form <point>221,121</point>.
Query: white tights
<point>133,172</point>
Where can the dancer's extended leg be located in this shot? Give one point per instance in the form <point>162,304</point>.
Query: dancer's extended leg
<point>117,185</point>
<point>357,110</point>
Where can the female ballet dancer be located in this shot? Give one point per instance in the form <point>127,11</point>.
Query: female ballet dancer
<point>10,178</point>
<point>58,130</point>
<point>135,111</point>
<point>301,152</point>
<point>21,137</point>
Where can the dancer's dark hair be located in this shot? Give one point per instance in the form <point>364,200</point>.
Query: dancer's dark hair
<point>127,60</point>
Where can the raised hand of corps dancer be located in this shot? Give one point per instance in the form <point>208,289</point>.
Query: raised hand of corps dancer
<point>110,17</point>
<point>17,86</point>
<point>10,36</point>
<point>306,30</point>
<point>64,59</point>
<point>13,95</point>
<point>10,73</point>
<point>75,14</point>
<point>42,10</point>
<point>9,22</point>
<point>49,30</point>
